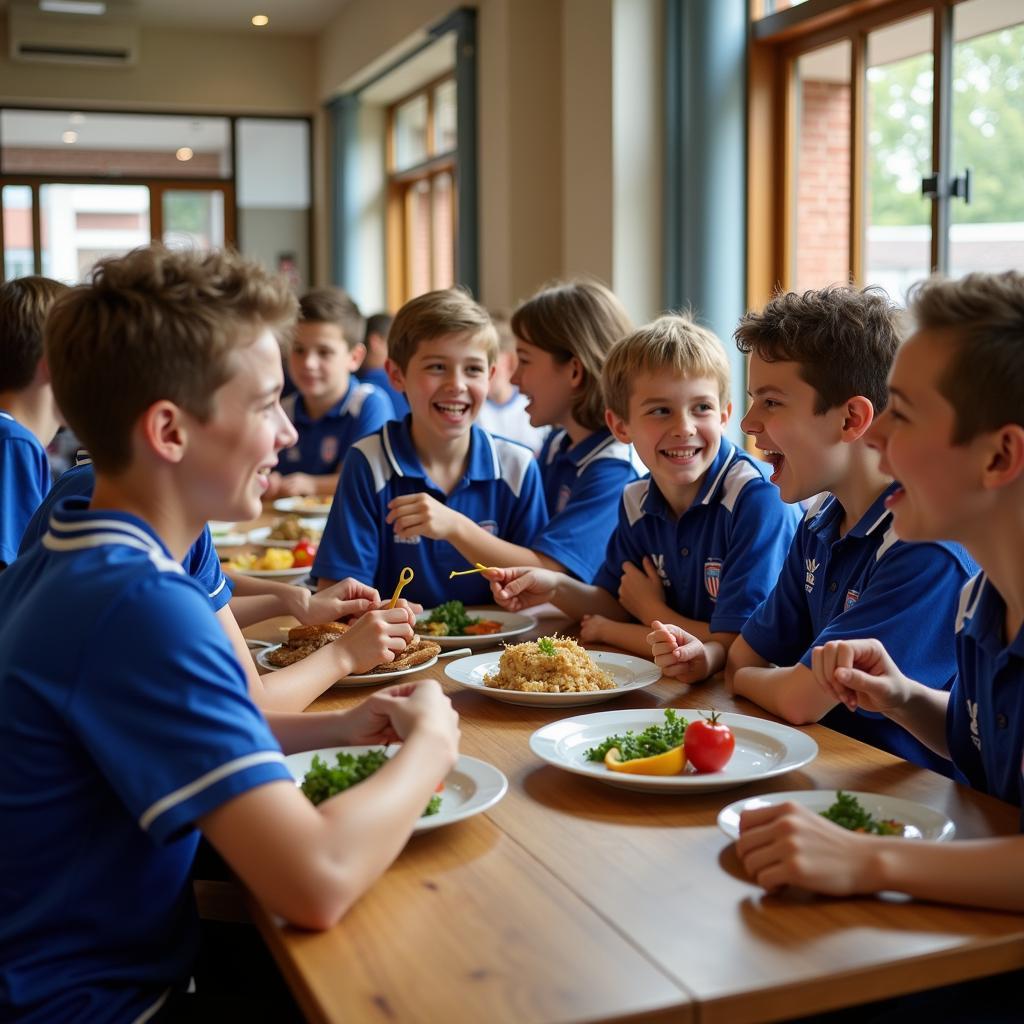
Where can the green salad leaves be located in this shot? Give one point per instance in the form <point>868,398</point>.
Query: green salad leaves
<point>453,615</point>
<point>323,781</point>
<point>848,813</point>
<point>655,739</point>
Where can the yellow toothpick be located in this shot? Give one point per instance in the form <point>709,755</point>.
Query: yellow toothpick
<point>469,572</point>
<point>405,577</point>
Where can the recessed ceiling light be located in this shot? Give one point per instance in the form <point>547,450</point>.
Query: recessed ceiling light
<point>76,119</point>
<point>69,137</point>
<point>73,6</point>
<point>259,20</point>
<point>184,153</point>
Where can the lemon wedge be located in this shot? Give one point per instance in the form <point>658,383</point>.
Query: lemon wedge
<point>672,762</point>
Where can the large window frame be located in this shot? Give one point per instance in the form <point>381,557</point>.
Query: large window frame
<point>777,41</point>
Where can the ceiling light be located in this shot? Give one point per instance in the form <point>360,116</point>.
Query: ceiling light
<point>184,153</point>
<point>69,137</point>
<point>259,20</point>
<point>73,6</point>
<point>76,119</point>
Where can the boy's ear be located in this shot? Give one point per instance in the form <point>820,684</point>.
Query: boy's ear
<point>1006,457</point>
<point>858,415</point>
<point>618,426</point>
<point>356,355</point>
<point>576,372</point>
<point>726,413</point>
<point>395,375</point>
<point>164,431</point>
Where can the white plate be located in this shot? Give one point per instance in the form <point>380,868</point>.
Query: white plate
<point>228,540</point>
<point>218,527</point>
<point>470,787</point>
<point>920,822</point>
<point>513,624</point>
<point>304,506</point>
<point>763,749</point>
<point>353,680</point>
<point>261,535</point>
<point>628,672</point>
<point>294,574</point>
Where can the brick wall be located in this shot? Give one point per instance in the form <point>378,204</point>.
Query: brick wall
<point>71,161</point>
<point>823,185</point>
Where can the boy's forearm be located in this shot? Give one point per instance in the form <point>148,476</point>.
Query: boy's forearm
<point>791,693</point>
<point>475,544</point>
<point>326,484</point>
<point>629,636</point>
<point>248,610</point>
<point>924,716</point>
<point>576,599</point>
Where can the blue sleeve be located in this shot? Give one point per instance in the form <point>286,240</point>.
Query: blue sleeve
<point>376,411</point>
<point>577,536</point>
<point>780,628</point>
<point>620,549</point>
<point>351,544</point>
<point>910,605</point>
<point>169,721</point>
<point>203,564</point>
<point>760,534</point>
<point>24,482</point>
<point>529,510</point>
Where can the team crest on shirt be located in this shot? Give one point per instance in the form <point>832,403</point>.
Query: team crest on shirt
<point>490,526</point>
<point>972,710</point>
<point>329,449</point>
<point>564,494</point>
<point>712,576</point>
<point>852,597</point>
<point>812,567</point>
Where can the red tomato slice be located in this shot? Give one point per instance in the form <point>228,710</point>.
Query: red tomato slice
<point>708,744</point>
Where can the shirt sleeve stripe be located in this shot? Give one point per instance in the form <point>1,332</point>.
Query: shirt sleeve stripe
<point>179,796</point>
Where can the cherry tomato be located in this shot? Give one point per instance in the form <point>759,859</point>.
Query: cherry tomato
<point>303,553</point>
<point>708,744</point>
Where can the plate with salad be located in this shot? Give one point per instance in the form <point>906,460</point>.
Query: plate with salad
<point>452,624</point>
<point>471,787</point>
<point>760,749</point>
<point>874,813</point>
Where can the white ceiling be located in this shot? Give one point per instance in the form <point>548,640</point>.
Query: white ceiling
<point>287,17</point>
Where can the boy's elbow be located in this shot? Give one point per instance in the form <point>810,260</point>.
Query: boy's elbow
<point>798,705</point>
<point>319,899</point>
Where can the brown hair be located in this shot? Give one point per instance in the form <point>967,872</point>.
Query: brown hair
<point>674,344</point>
<point>434,314</point>
<point>984,317</point>
<point>334,306</point>
<point>843,338</point>
<point>154,325</point>
<point>24,303</point>
<point>578,318</point>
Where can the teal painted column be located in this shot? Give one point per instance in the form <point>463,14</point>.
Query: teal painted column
<point>705,179</point>
<point>344,126</point>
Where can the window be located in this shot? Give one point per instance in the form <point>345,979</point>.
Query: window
<point>894,134</point>
<point>422,143</point>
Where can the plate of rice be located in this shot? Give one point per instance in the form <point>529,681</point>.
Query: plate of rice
<point>552,671</point>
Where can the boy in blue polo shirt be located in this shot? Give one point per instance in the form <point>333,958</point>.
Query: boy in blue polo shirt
<point>423,492</point>
<point>700,542</point>
<point>818,365</point>
<point>28,415</point>
<point>330,409</point>
<point>373,369</point>
<point>954,438</point>
<point>135,730</point>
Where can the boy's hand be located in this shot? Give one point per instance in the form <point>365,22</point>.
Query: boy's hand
<point>860,673</point>
<point>423,708</point>
<point>790,845</point>
<point>679,655</point>
<point>377,637</point>
<point>295,484</point>
<point>522,587</point>
<point>341,600</point>
<point>420,515</point>
<point>640,590</point>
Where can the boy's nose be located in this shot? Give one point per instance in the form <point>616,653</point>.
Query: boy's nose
<point>749,425</point>
<point>878,433</point>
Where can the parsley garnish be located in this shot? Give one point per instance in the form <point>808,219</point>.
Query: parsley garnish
<point>322,781</point>
<point>546,646</point>
<point>655,739</point>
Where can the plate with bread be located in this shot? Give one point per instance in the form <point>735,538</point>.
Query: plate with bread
<point>304,640</point>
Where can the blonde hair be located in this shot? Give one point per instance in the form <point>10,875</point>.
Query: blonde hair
<point>578,318</point>
<point>984,376</point>
<point>152,325</point>
<point>434,314</point>
<point>674,343</point>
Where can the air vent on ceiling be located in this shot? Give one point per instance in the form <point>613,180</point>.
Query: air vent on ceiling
<point>71,39</point>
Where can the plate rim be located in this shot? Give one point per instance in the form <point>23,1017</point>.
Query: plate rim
<point>351,680</point>
<point>947,833</point>
<point>486,638</point>
<point>698,783</point>
<point>277,505</point>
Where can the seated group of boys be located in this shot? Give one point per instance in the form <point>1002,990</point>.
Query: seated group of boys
<point>145,724</point>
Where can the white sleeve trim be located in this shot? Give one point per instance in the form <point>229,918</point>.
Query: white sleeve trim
<point>633,496</point>
<point>354,406</point>
<point>179,796</point>
<point>381,465</point>
<point>740,474</point>
<point>512,461</point>
<point>969,597</point>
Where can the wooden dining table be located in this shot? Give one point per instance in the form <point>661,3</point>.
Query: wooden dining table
<point>571,900</point>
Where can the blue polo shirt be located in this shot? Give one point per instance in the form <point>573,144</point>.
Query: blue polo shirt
<point>867,583</point>
<point>119,729</point>
<point>378,377</point>
<point>24,482</point>
<point>499,491</point>
<point>201,563</point>
<point>719,560</point>
<point>582,484</point>
<point>323,442</point>
<point>985,717</point>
